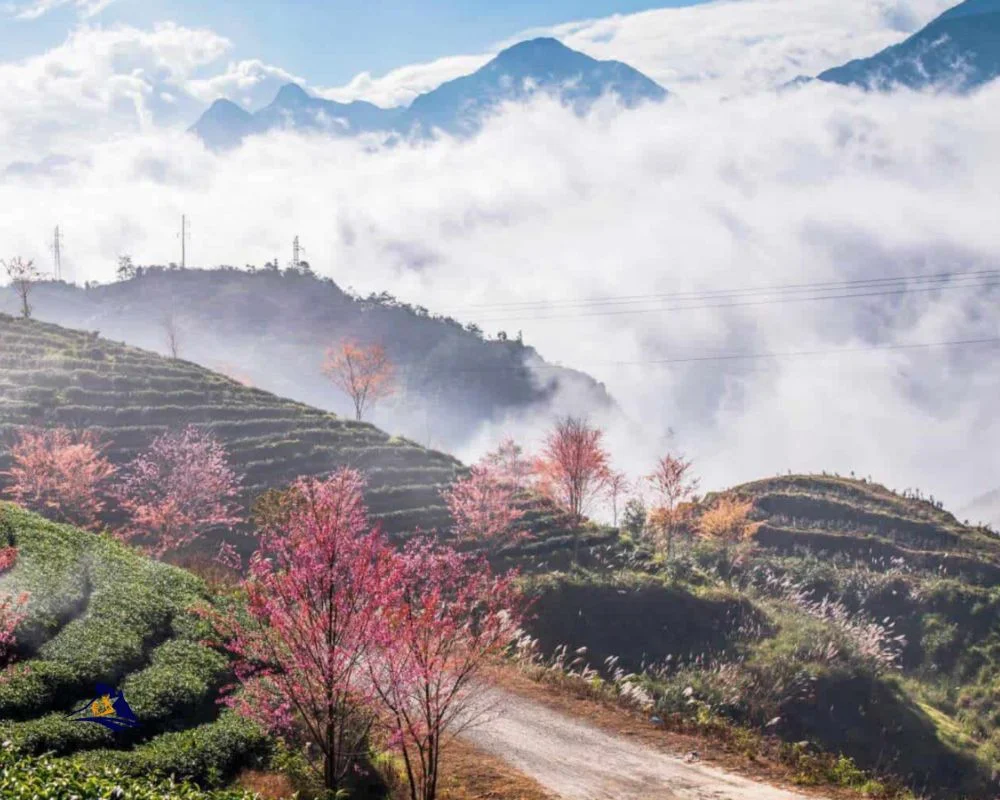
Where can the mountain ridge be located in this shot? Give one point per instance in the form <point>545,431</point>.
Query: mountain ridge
<point>456,106</point>
<point>959,50</point>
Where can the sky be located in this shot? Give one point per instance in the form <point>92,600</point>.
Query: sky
<point>327,42</point>
<point>731,183</point>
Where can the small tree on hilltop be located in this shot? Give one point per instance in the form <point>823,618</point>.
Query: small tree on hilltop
<point>618,485</point>
<point>482,507</point>
<point>23,275</point>
<point>510,464</point>
<point>634,517</point>
<point>177,490</point>
<point>59,473</point>
<point>573,470</point>
<point>673,484</point>
<point>315,621</point>
<point>363,373</point>
<point>453,619</point>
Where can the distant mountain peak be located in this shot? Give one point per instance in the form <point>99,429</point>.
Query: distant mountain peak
<point>291,94</point>
<point>958,51</point>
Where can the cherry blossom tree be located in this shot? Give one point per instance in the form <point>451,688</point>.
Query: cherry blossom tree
<point>315,617</point>
<point>483,508</point>
<point>454,618</point>
<point>12,608</point>
<point>177,490</point>
<point>674,485</point>
<point>573,469</point>
<point>59,473</point>
<point>363,372</point>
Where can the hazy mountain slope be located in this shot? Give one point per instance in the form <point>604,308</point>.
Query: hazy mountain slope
<point>537,65</point>
<point>273,329</point>
<point>959,50</point>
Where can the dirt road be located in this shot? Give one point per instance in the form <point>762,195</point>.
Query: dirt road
<point>576,761</point>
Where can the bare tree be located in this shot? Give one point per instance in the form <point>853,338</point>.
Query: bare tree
<point>23,275</point>
<point>173,335</point>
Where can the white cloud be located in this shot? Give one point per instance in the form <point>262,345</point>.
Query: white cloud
<point>101,82</point>
<point>400,86</point>
<point>819,184</point>
<point>251,83</point>
<point>39,8</point>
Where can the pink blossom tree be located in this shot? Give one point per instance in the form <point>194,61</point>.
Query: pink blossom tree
<point>317,594</point>
<point>12,608</point>
<point>59,473</point>
<point>177,490</point>
<point>483,508</point>
<point>454,618</point>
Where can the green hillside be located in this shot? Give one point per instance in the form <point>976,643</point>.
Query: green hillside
<point>101,613</point>
<point>740,636</point>
<point>862,519</point>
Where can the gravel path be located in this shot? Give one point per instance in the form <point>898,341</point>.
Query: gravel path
<point>577,761</point>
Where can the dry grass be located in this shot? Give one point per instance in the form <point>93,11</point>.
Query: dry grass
<point>269,785</point>
<point>470,774</point>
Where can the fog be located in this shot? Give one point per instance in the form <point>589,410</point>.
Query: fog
<point>700,194</point>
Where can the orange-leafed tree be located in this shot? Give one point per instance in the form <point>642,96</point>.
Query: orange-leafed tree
<point>573,470</point>
<point>674,485</point>
<point>728,523</point>
<point>59,473</point>
<point>363,372</point>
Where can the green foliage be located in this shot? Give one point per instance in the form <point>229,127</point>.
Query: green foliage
<point>47,778</point>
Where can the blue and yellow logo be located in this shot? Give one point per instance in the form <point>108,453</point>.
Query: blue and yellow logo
<point>108,709</point>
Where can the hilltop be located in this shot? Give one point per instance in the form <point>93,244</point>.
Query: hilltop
<point>272,329</point>
<point>542,65</point>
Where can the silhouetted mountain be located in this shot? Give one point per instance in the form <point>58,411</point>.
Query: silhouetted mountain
<point>539,65</point>
<point>959,50</point>
<point>271,329</point>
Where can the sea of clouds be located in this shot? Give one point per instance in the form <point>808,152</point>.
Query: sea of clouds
<point>731,184</point>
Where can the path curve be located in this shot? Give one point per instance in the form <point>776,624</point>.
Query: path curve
<point>577,761</point>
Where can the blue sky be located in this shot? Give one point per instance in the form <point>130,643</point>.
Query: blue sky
<point>327,42</point>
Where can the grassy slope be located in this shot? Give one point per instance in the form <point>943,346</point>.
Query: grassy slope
<point>99,612</point>
<point>935,721</point>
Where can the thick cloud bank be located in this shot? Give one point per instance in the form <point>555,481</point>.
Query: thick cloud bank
<point>546,210</point>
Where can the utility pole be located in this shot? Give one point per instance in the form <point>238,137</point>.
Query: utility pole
<point>185,235</point>
<point>57,254</point>
<point>296,250</point>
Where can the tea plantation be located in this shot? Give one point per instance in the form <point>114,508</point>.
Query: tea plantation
<point>101,613</point>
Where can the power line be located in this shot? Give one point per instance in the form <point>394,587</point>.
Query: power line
<point>742,356</point>
<point>791,288</point>
<point>748,303</point>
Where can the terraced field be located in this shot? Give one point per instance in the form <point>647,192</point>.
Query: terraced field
<point>99,612</point>
<point>860,518</point>
<point>50,375</point>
